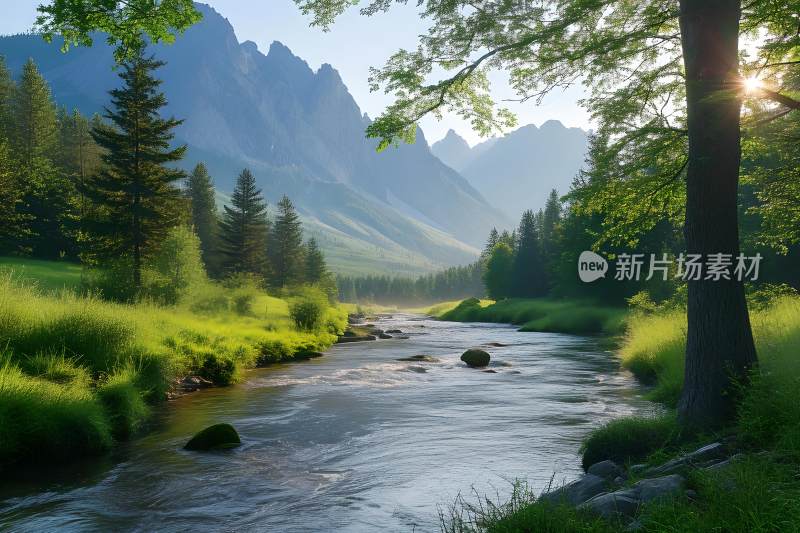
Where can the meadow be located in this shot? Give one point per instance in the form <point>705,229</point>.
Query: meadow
<point>78,373</point>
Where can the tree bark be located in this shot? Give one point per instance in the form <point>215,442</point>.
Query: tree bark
<point>719,350</point>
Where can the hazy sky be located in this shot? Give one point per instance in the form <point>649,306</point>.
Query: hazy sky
<point>353,45</point>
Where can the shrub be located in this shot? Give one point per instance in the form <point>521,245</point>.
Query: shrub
<point>307,310</point>
<point>176,269</point>
<point>221,369</point>
<point>122,400</point>
<point>629,439</point>
<point>243,302</point>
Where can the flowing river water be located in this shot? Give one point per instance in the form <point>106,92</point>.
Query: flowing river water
<point>353,441</point>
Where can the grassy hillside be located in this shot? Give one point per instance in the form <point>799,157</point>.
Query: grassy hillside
<point>78,373</point>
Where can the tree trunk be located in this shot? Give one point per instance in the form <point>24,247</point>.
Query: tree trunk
<point>719,348</point>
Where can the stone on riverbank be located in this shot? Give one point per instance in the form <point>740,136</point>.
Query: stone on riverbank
<point>606,469</point>
<point>420,359</point>
<point>476,358</point>
<point>216,437</point>
<point>578,491</point>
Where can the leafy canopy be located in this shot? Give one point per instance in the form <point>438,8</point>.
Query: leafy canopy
<point>627,54</point>
<point>125,22</point>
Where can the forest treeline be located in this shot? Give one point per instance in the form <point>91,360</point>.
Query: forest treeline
<point>106,191</point>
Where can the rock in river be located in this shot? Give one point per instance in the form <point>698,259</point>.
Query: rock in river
<point>420,359</point>
<point>476,358</point>
<point>216,437</point>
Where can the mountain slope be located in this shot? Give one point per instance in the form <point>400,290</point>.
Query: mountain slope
<point>301,133</point>
<point>517,171</point>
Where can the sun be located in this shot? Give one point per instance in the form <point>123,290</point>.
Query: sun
<point>752,84</point>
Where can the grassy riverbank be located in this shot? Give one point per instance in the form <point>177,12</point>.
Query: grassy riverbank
<point>540,314</point>
<point>760,492</point>
<point>78,373</point>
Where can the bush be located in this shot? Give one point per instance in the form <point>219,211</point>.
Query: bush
<point>308,309</point>
<point>221,369</point>
<point>176,269</point>
<point>122,400</point>
<point>243,302</point>
<point>629,439</point>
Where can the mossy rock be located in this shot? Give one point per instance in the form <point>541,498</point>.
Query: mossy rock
<point>216,437</point>
<point>476,358</point>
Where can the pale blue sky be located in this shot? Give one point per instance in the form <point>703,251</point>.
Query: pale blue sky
<point>353,45</point>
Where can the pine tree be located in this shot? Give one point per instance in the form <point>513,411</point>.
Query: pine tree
<point>529,272</point>
<point>494,238</point>
<point>316,269</point>
<point>244,228</point>
<point>550,219</point>
<point>286,245</point>
<point>7,93</point>
<point>137,192</point>
<point>10,220</point>
<point>200,190</point>
<point>46,191</point>
<point>499,268</point>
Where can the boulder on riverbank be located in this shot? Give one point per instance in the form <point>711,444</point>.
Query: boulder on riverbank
<point>216,437</point>
<point>420,359</point>
<point>356,338</point>
<point>476,358</point>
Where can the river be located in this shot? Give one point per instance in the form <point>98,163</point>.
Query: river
<point>353,441</point>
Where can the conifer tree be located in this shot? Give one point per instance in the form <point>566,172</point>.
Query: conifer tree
<point>136,188</point>
<point>529,269</point>
<point>200,190</point>
<point>286,245</point>
<point>7,93</point>
<point>316,269</point>
<point>10,219</point>
<point>499,268</point>
<point>244,228</point>
<point>494,238</point>
<point>46,192</point>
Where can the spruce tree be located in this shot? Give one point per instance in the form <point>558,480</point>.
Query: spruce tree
<point>499,268</point>
<point>200,190</point>
<point>10,219</point>
<point>46,191</point>
<point>286,246</point>
<point>7,93</point>
<point>316,269</point>
<point>136,189</point>
<point>244,228</point>
<point>529,272</point>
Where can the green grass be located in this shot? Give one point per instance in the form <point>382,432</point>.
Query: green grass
<point>83,370</point>
<point>629,440</point>
<point>541,314</point>
<point>48,275</point>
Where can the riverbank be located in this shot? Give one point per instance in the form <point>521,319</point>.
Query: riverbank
<point>752,486</point>
<point>539,314</point>
<point>78,374</point>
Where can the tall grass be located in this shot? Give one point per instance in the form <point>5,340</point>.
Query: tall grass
<point>79,371</point>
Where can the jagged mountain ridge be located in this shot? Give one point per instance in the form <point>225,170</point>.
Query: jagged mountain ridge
<point>301,133</point>
<point>518,170</point>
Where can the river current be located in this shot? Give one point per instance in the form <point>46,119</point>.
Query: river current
<point>355,441</point>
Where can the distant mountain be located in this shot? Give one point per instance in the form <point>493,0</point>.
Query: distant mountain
<point>301,133</point>
<point>517,171</point>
